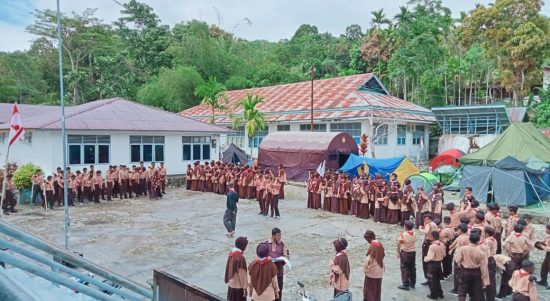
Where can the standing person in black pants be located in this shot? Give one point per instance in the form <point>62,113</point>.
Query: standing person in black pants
<point>37,180</point>
<point>230,215</point>
<point>436,253</point>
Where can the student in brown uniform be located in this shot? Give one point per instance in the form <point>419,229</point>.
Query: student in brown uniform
<point>268,196</point>
<point>275,190</point>
<point>406,253</point>
<point>310,190</point>
<point>407,209</point>
<point>373,268</point>
<point>462,240</point>
<point>492,217</point>
<point>97,186</point>
<point>189,177</point>
<point>447,236</point>
<point>335,200</point>
<point>110,183</point>
<point>545,266</point>
<point>474,276</point>
<point>48,193</point>
<point>71,190</point>
<point>260,192</point>
<point>37,180</point>
<point>243,184</point>
<point>364,200</point>
<point>489,245</point>
<point>281,177</point>
<point>343,191</point>
<point>529,231</point>
<point>339,267</point>
<point>124,178</point>
<point>522,283</point>
<point>250,187</point>
<point>436,253</point>
<point>316,190</point>
<point>262,276</point>
<point>9,202</point>
<point>507,266</point>
<point>516,245</point>
<point>236,271</point>
<point>327,192</point>
<point>436,199</point>
<point>513,219</point>
<point>278,248</point>
<point>427,228</point>
<point>163,173</point>
<point>423,206</point>
<point>380,200</point>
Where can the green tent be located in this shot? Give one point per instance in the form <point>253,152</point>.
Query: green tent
<point>425,180</point>
<point>521,141</point>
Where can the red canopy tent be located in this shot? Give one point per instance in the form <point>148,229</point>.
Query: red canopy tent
<point>448,157</point>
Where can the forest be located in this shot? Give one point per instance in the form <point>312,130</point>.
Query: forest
<point>423,54</point>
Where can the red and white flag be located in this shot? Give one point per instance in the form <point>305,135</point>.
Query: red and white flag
<point>17,132</point>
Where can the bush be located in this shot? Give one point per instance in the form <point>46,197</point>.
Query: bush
<point>22,176</point>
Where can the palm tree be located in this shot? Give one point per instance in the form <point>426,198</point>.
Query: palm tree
<point>211,92</point>
<point>251,117</point>
<point>403,15</point>
<point>379,18</point>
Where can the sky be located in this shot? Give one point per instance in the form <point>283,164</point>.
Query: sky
<point>270,19</point>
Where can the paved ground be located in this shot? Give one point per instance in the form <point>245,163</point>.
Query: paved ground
<point>183,234</point>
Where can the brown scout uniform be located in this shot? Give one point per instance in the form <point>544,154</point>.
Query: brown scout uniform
<point>473,272</point>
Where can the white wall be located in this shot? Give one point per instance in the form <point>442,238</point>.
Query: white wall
<point>46,150</point>
<point>381,151</point>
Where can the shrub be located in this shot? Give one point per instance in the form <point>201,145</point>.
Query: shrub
<point>22,176</point>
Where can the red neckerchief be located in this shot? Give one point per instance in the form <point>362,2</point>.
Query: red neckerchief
<point>263,261</point>
<point>376,243</point>
<point>517,234</point>
<point>523,273</point>
<point>233,253</point>
<point>411,232</point>
<point>436,242</point>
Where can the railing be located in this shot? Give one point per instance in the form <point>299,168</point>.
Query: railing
<point>50,269</point>
<point>170,288</point>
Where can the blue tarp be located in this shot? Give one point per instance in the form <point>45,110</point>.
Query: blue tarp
<point>376,166</point>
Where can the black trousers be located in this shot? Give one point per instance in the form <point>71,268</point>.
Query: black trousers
<point>505,288</point>
<point>97,192</point>
<point>116,188</point>
<point>434,278</point>
<point>408,268</point>
<point>9,202</point>
<point>470,284</point>
<point>88,195</point>
<point>79,194</point>
<point>425,247</point>
<point>491,290</point>
<point>280,282</point>
<point>456,275</point>
<point>70,198</point>
<point>109,191</point>
<point>124,189</point>
<point>36,191</point>
<point>448,261</point>
<point>275,205</point>
<point>544,268</point>
<point>142,187</point>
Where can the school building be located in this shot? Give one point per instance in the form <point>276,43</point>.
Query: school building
<point>109,132</point>
<point>356,104</point>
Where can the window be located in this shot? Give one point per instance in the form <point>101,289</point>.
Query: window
<point>401,135</point>
<point>146,148</point>
<point>196,148</point>
<point>418,134</point>
<point>380,134</point>
<point>2,137</point>
<point>319,127</point>
<point>236,137</point>
<point>283,127</point>
<point>89,149</point>
<point>257,139</point>
<point>354,129</point>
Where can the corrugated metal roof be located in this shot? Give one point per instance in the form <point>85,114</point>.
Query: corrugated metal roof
<point>110,114</point>
<point>339,97</point>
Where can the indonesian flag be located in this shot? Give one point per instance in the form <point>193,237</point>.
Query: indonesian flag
<point>17,132</point>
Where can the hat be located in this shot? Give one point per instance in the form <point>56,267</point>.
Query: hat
<point>370,234</point>
<point>241,243</point>
<point>262,250</point>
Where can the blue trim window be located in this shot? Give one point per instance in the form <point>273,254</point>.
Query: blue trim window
<point>257,139</point>
<point>236,136</point>
<point>196,148</point>
<point>317,127</point>
<point>380,134</point>
<point>352,128</point>
<point>418,134</point>
<point>146,148</point>
<point>401,135</point>
<point>89,149</point>
<point>283,127</point>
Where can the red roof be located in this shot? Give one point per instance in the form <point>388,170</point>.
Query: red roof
<point>108,114</point>
<point>334,98</point>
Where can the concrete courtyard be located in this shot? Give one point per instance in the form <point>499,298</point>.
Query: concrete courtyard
<point>183,234</point>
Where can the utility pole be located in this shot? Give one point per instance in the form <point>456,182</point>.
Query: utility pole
<point>312,75</point>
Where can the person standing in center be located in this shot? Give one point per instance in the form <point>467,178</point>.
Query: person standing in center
<point>277,248</point>
<point>373,268</point>
<point>230,215</point>
<point>339,267</point>
<point>436,253</point>
<point>236,272</point>
<point>474,275</point>
<point>407,256</point>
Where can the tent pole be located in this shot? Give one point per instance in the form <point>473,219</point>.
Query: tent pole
<point>537,194</point>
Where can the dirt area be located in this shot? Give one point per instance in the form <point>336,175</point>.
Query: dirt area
<point>183,234</point>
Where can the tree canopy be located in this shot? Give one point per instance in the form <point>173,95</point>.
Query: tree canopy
<point>423,55</point>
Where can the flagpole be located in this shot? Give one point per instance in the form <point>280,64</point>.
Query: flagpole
<point>5,181</point>
<point>63,133</point>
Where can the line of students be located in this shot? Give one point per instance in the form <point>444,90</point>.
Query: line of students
<point>90,184</point>
<point>366,196</point>
<point>249,183</point>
